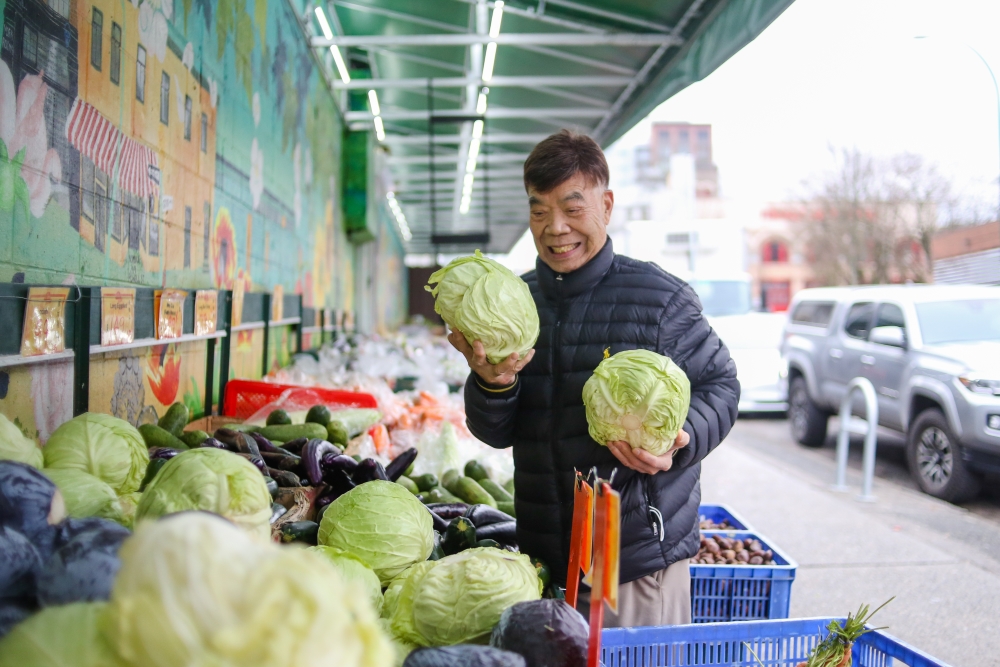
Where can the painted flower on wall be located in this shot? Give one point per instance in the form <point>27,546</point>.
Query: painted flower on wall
<point>27,165</point>
<point>224,250</point>
<point>163,370</point>
<point>256,173</point>
<point>188,58</point>
<point>153,29</point>
<point>255,107</point>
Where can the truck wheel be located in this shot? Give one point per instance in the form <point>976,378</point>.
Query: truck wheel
<point>808,421</point>
<point>935,459</point>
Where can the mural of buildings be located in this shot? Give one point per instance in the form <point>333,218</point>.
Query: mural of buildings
<point>180,143</point>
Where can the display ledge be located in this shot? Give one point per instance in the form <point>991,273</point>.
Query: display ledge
<point>9,360</point>
<point>311,330</point>
<point>150,342</point>
<point>250,326</point>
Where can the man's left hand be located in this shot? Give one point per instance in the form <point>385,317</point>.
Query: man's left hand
<point>642,461</point>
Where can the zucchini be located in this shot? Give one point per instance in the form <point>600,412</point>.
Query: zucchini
<point>544,573</point>
<point>507,508</point>
<point>476,471</point>
<point>175,419</point>
<point>493,544</point>
<point>461,535</point>
<point>151,470</point>
<point>286,432</point>
<point>449,477</point>
<point>277,511</point>
<point>272,487</point>
<point>425,482</point>
<point>318,414</point>
<point>155,436</point>
<point>300,531</point>
<point>495,490</point>
<point>194,438</point>
<point>408,484</point>
<point>278,418</point>
<point>469,490</point>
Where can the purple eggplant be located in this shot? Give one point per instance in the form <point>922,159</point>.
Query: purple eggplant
<point>256,461</point>
<point>504,532</point>
<point>312,455</point>
<point>266,445</point>
<point>398,465</point>
<point>281,461</point>
<point>163,452</point>
<point>284,478</point>
<point>440,525</point>
<point>448,510</point>
<point>231,439</point>
<point>212,442</point>
<point>295,446</point>
<point>339,462</point>
<point>484,515</point>
<point>369,470</point>
<point>338,483</point>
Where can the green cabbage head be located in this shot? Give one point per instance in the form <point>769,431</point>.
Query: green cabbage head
<point>352,569</point>
<point>108,448</point>
<point>62,636</point>
<point>85,495</point>
<point>637,396</point>
<point>459,598</point>
<point>381,523</point>
<point>213,480</point>
<point>486,302</point>
<point>194,590</point>
<point>14,446</point>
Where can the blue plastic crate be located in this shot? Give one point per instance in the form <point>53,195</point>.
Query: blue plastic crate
<point>719,513</point>
<point>722,593</point>
<point>783,643</point>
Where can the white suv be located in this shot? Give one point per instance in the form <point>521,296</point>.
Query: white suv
<point>932,353</point>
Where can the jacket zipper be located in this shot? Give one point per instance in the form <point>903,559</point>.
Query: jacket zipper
<point>655,516</point>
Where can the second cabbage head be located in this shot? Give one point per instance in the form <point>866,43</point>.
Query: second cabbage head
<point>637,396</point>
<point>486,302</point>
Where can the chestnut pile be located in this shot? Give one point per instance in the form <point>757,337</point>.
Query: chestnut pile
<point>722,550</point>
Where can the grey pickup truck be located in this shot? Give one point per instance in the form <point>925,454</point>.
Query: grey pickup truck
<point>932,352</point>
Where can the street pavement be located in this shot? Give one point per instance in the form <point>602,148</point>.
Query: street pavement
<point>942,562</point>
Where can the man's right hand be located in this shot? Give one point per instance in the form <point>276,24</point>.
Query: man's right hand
<point>503,373</point>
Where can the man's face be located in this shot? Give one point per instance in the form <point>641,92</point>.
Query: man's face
<point>570,223</point>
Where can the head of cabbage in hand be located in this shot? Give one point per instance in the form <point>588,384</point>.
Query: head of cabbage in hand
<point>640,397</point>
<point>486,302</point>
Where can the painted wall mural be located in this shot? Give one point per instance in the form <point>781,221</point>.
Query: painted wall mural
<point>181,143</point>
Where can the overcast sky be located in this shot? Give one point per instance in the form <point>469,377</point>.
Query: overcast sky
<point>849,73</point>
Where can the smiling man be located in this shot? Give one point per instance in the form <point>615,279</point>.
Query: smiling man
<point>589,301</point>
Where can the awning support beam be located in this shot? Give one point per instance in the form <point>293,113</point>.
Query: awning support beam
<point>623,39</point>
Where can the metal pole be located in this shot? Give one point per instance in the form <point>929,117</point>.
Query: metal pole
<point>871,437</point>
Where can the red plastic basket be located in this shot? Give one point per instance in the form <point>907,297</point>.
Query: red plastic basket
<point>245,397</point>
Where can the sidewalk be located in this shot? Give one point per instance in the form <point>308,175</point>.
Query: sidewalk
<point>940,561</point>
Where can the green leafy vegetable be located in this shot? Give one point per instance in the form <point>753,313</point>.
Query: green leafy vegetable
<point>459,598</point>
<point>486,302</point>
<point>637,396</point>
<point>61,636</point>
<point>213,480</point>
<point>195,590</point>
<point>106,447</point>
<point>353,569</point>
<point>85,495</point>
<point>381,523</point>
<point>14,446</point>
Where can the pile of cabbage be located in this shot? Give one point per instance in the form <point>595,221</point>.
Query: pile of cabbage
<point>486,302</point>
<point>639,397</point>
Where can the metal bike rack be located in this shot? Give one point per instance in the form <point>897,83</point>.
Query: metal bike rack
<point>871,435</point>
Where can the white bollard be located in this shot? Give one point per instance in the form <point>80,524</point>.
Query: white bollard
<point>871,435</point>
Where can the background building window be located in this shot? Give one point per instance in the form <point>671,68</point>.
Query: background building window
<point>29,47</point>
<point>204,133</point>
<point>153,245</point>
<point>87,187</point>
<point>187,118</point>
<point>165,98</point>
<point>774,252</point>
<point>116,53</point>
<point>61,6</point>
<point>140,74</point>
<point>704,146</point>
<point>684,142</point>
<point>96,38</point>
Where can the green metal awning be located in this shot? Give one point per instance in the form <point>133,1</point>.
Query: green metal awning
<point>595,66</point>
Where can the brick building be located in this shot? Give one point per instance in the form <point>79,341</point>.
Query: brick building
<point>967,255</point>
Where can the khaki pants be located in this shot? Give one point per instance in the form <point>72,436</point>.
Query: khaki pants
<point>661,598</point>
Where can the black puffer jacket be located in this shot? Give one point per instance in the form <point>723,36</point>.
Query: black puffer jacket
<point>618,303</point>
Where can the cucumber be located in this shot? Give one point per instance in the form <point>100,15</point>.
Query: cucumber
<point>426,482</point>
<point>345,424</point>
<point>461,535</point>
<point>337,434</point>
<point>300,531</point>
<point>408,484</point>
<point>449,477</point>
<point>409,471</point>
<point>440,494</point>
<point>286,432</point>
<point>175,419</point>
<point>476,471</point>
<point>194,438</point>
<point>469,490</point>
<point>318,414</point>
<point>509,486</point>
<point>151,470</point>
<point>159,437</point>
<point>506,507</point>
<point>278,418</point>
<point>495,490</point>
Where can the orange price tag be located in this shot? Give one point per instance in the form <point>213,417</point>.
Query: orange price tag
<point>44,321</point>
<point>170,313</point>
<point>206,312</point>
<point>117,315</point>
